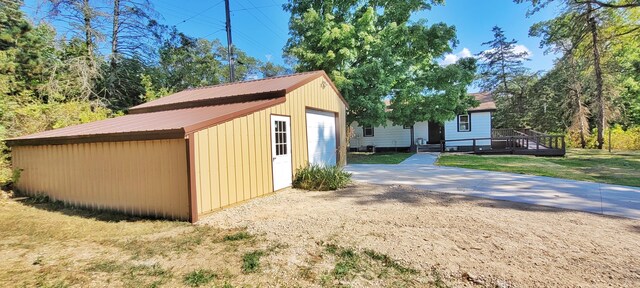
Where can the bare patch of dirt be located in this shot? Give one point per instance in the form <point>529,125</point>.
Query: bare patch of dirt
<point>449,239</point>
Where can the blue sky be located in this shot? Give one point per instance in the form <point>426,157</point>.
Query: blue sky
<point>260,26</point>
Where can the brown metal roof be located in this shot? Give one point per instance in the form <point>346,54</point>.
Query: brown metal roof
<point>485,99</point>
<point>169,124</point>
<point>486,102</point>
<point>267,88</point>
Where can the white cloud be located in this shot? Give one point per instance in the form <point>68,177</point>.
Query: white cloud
<point>453,58</point>
<point>519,48</point>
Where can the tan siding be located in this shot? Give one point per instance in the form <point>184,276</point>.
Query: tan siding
<point>137,177</point>
<point>241,148</point>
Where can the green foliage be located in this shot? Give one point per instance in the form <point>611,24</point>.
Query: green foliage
<point>371,49</point>
<point>573,97</point>
<point>321,178</point>
<point>251,261</point>
<point>199,277</point>
<point>621,139</point>
<point>15,176</point>
<point>150,92</point>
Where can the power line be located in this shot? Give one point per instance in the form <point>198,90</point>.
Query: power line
<point>200,13</point>
<point>265,15</point>
<point>214,32</point>
<point>255,7</point>
<point>265,25</point>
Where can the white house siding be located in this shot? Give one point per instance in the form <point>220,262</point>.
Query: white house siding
<point>480,128</point>
<point>389,136</point>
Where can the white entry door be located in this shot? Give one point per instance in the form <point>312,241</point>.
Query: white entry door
<point>281,151</point>
<point>321,137</point>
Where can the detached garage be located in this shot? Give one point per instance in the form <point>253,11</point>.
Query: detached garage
<point>190,153</point>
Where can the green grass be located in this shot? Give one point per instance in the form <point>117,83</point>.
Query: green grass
<point>618,167</point>
<point>377,158</point>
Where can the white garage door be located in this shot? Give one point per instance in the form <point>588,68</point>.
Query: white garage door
<point>321,137</point>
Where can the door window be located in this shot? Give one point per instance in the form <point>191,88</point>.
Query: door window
<point>281,138</point>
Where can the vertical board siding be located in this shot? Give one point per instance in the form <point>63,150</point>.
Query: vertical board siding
<point>241,148</point>
<point>389,135</point>
<point>480,128</point>
<point>136,177</point>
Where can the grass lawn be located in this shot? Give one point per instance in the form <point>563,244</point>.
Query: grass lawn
<point>377,158</point>
<point>618,167</point>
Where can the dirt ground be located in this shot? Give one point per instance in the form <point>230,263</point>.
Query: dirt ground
<point>361,236</point>
<point>463,241</point>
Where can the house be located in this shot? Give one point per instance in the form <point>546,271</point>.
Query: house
<point>190,153</point>
<point>475,124</point>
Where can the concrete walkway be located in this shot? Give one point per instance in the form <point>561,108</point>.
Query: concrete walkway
<point>419,171</point>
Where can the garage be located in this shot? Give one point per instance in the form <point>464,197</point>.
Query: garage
<point>190,153</point>
<point>321,137</point>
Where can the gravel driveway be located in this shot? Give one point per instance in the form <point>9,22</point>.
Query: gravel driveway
<point>468,239</point>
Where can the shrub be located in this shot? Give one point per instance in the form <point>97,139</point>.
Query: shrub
<point>321,178</point>
<point>621,139</point>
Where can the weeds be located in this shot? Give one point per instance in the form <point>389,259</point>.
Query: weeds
<point>199,277</point>
<point>251,261</point>
<point>242,235</point>
<point>321,178</point>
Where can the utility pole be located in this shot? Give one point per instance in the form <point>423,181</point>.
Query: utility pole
<point>229,44</point>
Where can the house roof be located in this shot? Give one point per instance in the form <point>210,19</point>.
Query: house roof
<point>485,99</point>
<point>181,113</point>
<point>170,124</point>
<point>486,102</point>
<point>267,88</point>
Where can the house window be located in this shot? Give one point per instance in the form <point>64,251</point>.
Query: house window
<point>464,124</point>
<point>367,131</point>
<point>406,126</point>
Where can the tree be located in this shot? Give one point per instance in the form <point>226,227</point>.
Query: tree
<point>504,75</point>
<point>270,69</point>
<point>500,63</point>
<point>368,48</point>
<point>437,95</point>
<point>85,21</point>
<point>585,27</point>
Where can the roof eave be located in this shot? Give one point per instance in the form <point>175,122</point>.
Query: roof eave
<point>215,121</point>
<point>107,137</point>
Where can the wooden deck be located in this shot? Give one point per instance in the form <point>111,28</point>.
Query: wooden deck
<point>512,141</point>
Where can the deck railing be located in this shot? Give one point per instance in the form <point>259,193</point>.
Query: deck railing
<point>511,141</point>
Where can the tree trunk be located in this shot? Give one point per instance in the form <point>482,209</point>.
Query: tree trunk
<point>577,89</point>
<point>114,35</point>
<point>600,115</point>
<point>413,146</point>
<point>88,37</point>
